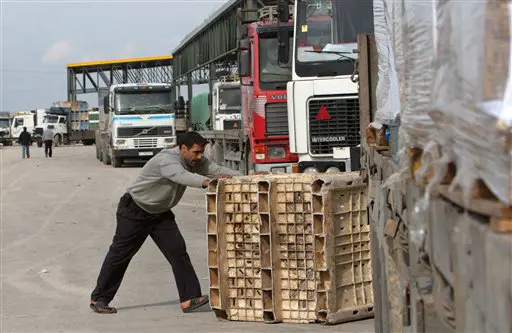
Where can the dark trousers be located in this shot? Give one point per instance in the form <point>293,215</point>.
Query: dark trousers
<point>48,147</point>
<point>133,227</point>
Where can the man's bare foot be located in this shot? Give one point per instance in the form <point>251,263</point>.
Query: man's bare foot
<point>194,303</point>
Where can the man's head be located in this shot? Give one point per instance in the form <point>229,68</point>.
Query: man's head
<point>191,145</point>
<point>24,128</point>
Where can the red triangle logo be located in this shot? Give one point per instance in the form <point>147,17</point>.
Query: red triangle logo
<point>235,125</point>
<point>323,114</point>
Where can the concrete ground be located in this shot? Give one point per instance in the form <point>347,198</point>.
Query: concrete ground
<point>58,219</point>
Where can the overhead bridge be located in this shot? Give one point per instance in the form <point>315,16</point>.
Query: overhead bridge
<point>91,77</point>
<point>213,46</point>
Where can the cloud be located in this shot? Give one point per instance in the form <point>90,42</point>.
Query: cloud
<point>58,51</point>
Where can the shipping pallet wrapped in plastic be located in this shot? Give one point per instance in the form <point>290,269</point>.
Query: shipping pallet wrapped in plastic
<point>405,42</point>
<point>472,96</point>
<point>444,73</point>
<point>290,248</point>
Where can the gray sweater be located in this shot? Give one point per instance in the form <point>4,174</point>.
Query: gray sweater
<point>48,134</point>
<point>165,177</point>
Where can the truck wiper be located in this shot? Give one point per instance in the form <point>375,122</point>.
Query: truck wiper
<point>153,107</point>
<point>127,110</point>
<point>340,53</point>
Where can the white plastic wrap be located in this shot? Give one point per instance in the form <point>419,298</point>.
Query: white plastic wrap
<point>388,100</point>
<point>405,43</point>
<point>418,48</point>
<point>471,92</point>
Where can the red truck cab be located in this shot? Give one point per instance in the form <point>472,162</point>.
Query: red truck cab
<point>264,99</point>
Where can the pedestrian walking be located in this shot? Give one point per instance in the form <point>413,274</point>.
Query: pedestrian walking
<point>25,140</point>
<point>48,140</point>
<point>145,210</point>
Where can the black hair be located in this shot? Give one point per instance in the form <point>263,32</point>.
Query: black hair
<point>190,138</point>
<point>25,128</point>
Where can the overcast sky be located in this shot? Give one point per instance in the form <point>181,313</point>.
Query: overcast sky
<point>40,37</point>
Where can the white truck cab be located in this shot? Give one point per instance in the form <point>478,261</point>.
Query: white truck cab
<point>59,122</point>
<point>323,103</point>
<point>20,120</point>
<point>226,104</point>
<point>136,122</point>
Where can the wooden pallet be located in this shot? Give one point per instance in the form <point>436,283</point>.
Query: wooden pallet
<point>500,215</point>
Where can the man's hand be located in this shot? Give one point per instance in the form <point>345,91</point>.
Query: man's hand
<point>206,182</point>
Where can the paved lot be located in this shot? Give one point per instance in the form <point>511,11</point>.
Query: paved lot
<point>57,223</point>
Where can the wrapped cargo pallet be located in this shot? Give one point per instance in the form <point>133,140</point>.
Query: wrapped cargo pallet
<point>440,232</point>
<point>405,42</point>
<point>471,103</point>
<point>289,248</point>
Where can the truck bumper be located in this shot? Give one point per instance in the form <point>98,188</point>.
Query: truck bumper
<point>344,165</point>
<point>274,167</point>
<point>143,153</point>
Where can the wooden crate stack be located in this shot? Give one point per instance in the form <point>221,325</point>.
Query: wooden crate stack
<point>293,249</point>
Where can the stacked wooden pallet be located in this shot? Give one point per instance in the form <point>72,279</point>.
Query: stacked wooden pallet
<point>292,248</point>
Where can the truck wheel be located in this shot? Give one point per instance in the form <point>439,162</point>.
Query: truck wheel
<point>39,144</point>
<point>97,152</point>
<point>247,165</point>
<point>117,162</point>
<point>106,157</point>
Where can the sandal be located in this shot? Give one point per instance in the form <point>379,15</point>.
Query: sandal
<point>102,307</point>
<point>196,303</point>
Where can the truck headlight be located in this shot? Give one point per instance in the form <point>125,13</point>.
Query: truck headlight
<point>276,152</point>
<point>120,142</point>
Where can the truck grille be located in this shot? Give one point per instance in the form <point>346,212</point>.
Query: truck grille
<point>145,143</point>
<point>276,118</point>
<point>128,132</point>
<point>341,130</point>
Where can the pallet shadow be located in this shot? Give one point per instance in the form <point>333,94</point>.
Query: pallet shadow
<point>204,308</point>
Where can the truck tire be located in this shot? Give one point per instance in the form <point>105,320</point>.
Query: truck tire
<point>116,161</point>
<point>106,157</point>
<point>39,144</point>
<point>97,152</point>
<point>248,166</point>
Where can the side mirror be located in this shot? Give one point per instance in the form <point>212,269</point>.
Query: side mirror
<point>209,99</point>
<point>283,48</point>
<point>245,63</point>
<point>243,31</point>
<point>284,11</point>
<point>106,105</point>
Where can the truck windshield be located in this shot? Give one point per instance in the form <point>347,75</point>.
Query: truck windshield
<point>50,119</point>
<point>4,123</point>
<point>230,100</point>
<point>327,35</point>
<point>138,102</point>
<point>271,73</point>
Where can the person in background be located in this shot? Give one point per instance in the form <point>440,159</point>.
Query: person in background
<point>48,140</point>
<point>145,210</point>
<point>25,140</point>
